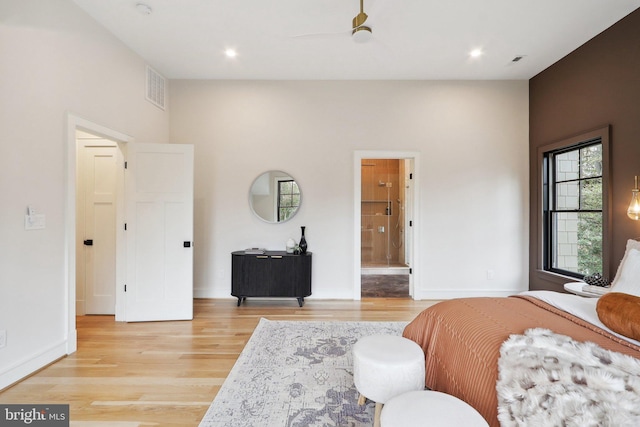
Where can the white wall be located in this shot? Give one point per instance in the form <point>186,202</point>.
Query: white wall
<point>54,59</point>
<point>472,137</point>
<point>473,143</point>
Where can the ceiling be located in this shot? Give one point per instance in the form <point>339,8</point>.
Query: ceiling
<point>311,39</point>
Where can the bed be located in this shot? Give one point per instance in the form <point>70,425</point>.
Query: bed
<point>462,338</point>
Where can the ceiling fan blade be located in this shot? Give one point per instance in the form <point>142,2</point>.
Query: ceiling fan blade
<point>312,35</point>
<point>359,20</point>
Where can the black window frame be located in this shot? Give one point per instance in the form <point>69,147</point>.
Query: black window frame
<point>545,225</point>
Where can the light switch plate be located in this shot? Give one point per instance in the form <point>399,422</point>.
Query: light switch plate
<point>34,222</point>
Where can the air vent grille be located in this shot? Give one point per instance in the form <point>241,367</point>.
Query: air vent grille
<point>156,86</point>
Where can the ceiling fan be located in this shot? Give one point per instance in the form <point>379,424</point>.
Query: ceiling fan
<point>360,33</point>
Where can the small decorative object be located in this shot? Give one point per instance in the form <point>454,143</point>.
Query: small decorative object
<point>255,251</point>
<point>303,242</point>
<point>291,245</point>
<point>596,279</point>
<point>634,207</point>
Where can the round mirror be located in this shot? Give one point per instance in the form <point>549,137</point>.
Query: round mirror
<point>275,197</point>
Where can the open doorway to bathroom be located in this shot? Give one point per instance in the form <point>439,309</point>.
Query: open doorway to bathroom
<point>384,253</point>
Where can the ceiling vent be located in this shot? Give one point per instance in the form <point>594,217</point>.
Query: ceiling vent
<point>156,87</point>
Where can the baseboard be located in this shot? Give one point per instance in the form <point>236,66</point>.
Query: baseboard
<point>419,294</point>
<point>445,294</point>
<point>31,364</point>
<point>208,294</point>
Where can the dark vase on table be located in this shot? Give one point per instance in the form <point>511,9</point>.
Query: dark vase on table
<point>303,242</point>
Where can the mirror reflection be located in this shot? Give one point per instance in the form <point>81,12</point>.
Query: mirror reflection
<point>275,196</point>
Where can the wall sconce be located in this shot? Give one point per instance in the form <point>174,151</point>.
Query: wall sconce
<point>634,207</point>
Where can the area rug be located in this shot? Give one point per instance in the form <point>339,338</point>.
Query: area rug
<point>296,374</point>
<point>547,379</point>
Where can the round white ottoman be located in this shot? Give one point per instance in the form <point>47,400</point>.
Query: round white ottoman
<point>411,409</point>
<point>385,366</point>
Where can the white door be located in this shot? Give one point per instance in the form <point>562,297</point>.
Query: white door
<point>159,217</point>
<point>99,168</point>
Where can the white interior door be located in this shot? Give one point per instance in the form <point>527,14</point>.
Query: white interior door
<point>159,216</point>
<point>99,179</point>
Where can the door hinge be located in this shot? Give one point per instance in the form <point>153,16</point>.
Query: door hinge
<point>410,175</point>
<point>125,165</point>
<point>125,226</point>
<point>125,288</point>
<point>410,223</point>
<point>411,271</point>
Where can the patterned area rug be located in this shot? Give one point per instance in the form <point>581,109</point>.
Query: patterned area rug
<point>296,374</point>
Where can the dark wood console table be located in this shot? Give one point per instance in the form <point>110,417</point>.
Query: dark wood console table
<point>271,274</point>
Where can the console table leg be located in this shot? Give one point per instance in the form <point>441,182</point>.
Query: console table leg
<point>301,301</point>
<point>239,301</point>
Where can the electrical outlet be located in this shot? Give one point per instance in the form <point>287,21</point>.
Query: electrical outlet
<point>3,338</point>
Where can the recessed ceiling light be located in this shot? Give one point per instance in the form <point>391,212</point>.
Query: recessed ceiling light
<point>144,8</point>
<point>476,53</point>
<point>230,53</point>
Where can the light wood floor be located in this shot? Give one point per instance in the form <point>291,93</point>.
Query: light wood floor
<point>167,373</point>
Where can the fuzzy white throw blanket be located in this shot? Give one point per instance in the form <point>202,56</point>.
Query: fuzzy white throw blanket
<point>546,379</point>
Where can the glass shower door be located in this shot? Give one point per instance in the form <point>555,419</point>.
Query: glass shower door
<point>380,210</point>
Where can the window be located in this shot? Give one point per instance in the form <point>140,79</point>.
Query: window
<point>574,225</point>
<point>288,198</point>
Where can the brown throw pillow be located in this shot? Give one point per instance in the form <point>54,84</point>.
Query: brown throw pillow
<point>620,313</point>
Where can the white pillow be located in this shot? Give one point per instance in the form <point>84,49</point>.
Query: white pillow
<point>631,244</point>
<point>628,276</point>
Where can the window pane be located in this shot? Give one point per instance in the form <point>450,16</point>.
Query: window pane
<point>285,213</point>
<point>590,243</point>
<point>591,194</point>
<point>565,238</point>
<point>285,187</point>
<point>591,161</point>
<point>577,238</point>
<point>285,201</point>
<point>568,196</point>
<point>567,166</point>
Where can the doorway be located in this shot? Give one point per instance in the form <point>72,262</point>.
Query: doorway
<point>96,207</point>
<point>384,271</point>
<point>155,261</point>
<point>385,208</point>
<point>74,124</point>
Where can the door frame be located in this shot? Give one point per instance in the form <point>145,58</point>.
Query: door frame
<point>75,122</point>
<point>358,156</point>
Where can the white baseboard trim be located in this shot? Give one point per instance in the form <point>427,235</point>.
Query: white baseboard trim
<point>445,294</point>
<point>209,294</point>
<point>31,364</point>
<point>419,294</point>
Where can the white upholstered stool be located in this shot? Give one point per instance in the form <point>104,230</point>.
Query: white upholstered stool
<point>385,366</point>
<point>411,409</point>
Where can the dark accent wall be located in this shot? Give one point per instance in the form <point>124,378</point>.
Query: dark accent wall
<point>597,84</point>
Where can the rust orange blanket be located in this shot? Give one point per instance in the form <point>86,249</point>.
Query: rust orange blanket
<point>461,339</point>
